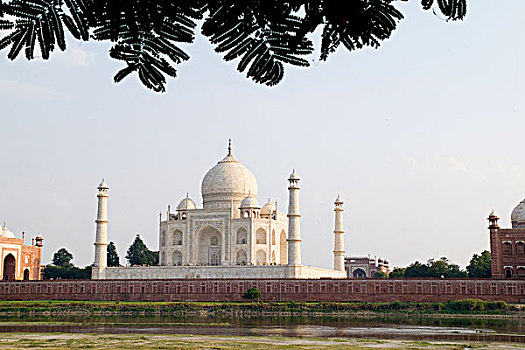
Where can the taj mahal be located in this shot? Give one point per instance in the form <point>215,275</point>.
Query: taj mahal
<point>231,236</point>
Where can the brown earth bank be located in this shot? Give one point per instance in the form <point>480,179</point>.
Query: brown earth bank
<point>454,308</point>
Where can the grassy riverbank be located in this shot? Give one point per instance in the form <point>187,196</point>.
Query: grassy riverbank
<point>462,307</point>
<point>146,342</point>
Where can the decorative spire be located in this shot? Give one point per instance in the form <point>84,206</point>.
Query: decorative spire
<point>229,147</point>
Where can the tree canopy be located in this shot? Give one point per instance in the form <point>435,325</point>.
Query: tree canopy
<point>261,35</point>
<point>112,255</point>
<point>64,269</point>
<point>433,268</point>
<point>66,273</point>
<point>62,258</point>
<point>138,254</point>
<point>479,266</point>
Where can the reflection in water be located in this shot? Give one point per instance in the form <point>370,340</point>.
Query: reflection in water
<point>384,327</point>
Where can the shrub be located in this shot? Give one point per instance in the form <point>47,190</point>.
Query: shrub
<point>252,294</point>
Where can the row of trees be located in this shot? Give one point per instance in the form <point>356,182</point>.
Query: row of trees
<point>479,267</point>
<point>138,254</point>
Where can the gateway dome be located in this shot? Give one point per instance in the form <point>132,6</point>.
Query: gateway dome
<point>518,212</point>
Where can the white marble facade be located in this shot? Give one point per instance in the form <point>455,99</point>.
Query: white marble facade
<point>230,237</point>
<point>230,230</point>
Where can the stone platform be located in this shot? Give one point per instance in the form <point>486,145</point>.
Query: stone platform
<point>217,272</point>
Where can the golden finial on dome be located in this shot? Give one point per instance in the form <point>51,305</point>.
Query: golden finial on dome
<point>229,147</point>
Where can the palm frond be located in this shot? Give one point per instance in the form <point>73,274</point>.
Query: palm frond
<point>356,24</point>
<point>452,9</point>
<point>264,35</point>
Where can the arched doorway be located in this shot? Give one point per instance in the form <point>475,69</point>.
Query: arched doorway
<point>359,273</point>
<point>242,257</point>
<point>26,275</point>
<point>242,235</point>
<point>209,241</point>
<point>260,236</point>
<point>260,257</point>
<point>283,249</point>
<point>508,273</point>
<point>177,258</point>
<point>9,268</point>
<point>177,237</point>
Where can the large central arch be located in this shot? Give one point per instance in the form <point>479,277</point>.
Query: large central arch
<point>9,268</point>
<point>209,241</point>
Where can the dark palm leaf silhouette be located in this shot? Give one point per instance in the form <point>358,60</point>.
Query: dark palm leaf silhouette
<point>263,35</point>
<point>452,9</point>
<point>146,33</point>
<point>35,21</point>
<point>356,24</point>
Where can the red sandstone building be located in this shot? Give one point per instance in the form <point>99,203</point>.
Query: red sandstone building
<point>19,261</point>
<point>507,246</point>
<point>364,266</point>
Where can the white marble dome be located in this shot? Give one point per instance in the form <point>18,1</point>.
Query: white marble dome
<point>518,211</point>
<point>250,202</point>
<point>268,208</point>
<point>187,204</point>
<point>228,181</point>
<point>521,220</point>
<point>6,233</point>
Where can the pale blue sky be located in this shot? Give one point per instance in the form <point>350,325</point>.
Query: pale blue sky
<point>422,138</point>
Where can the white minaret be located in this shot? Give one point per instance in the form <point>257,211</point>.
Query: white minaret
<point>339,239</point>
<point>294,230</point>
<point>101,241</point>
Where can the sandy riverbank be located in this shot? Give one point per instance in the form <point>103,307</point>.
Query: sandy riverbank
<point>145,342</point>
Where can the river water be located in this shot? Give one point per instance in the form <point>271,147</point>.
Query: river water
<point>384,327</point>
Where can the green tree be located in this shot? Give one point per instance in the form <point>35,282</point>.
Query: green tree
<point>138,254</point>
<point>62,258</point>
<point>263,36</point>
<point>416,269</point>
<point>479,266</point>
<point>113,259</point>
<point>66,273</point>
<point>153,258</point>
<point>397,272</point>
<point>379,274</point>
<point>434,268</point>
<point>252,294</point>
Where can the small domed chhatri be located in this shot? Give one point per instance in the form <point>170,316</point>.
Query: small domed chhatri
<point>103,185</point>
<point>268,209</point>
<point>187,204</point>
<point>6,232</point>
<point>250,202</point>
